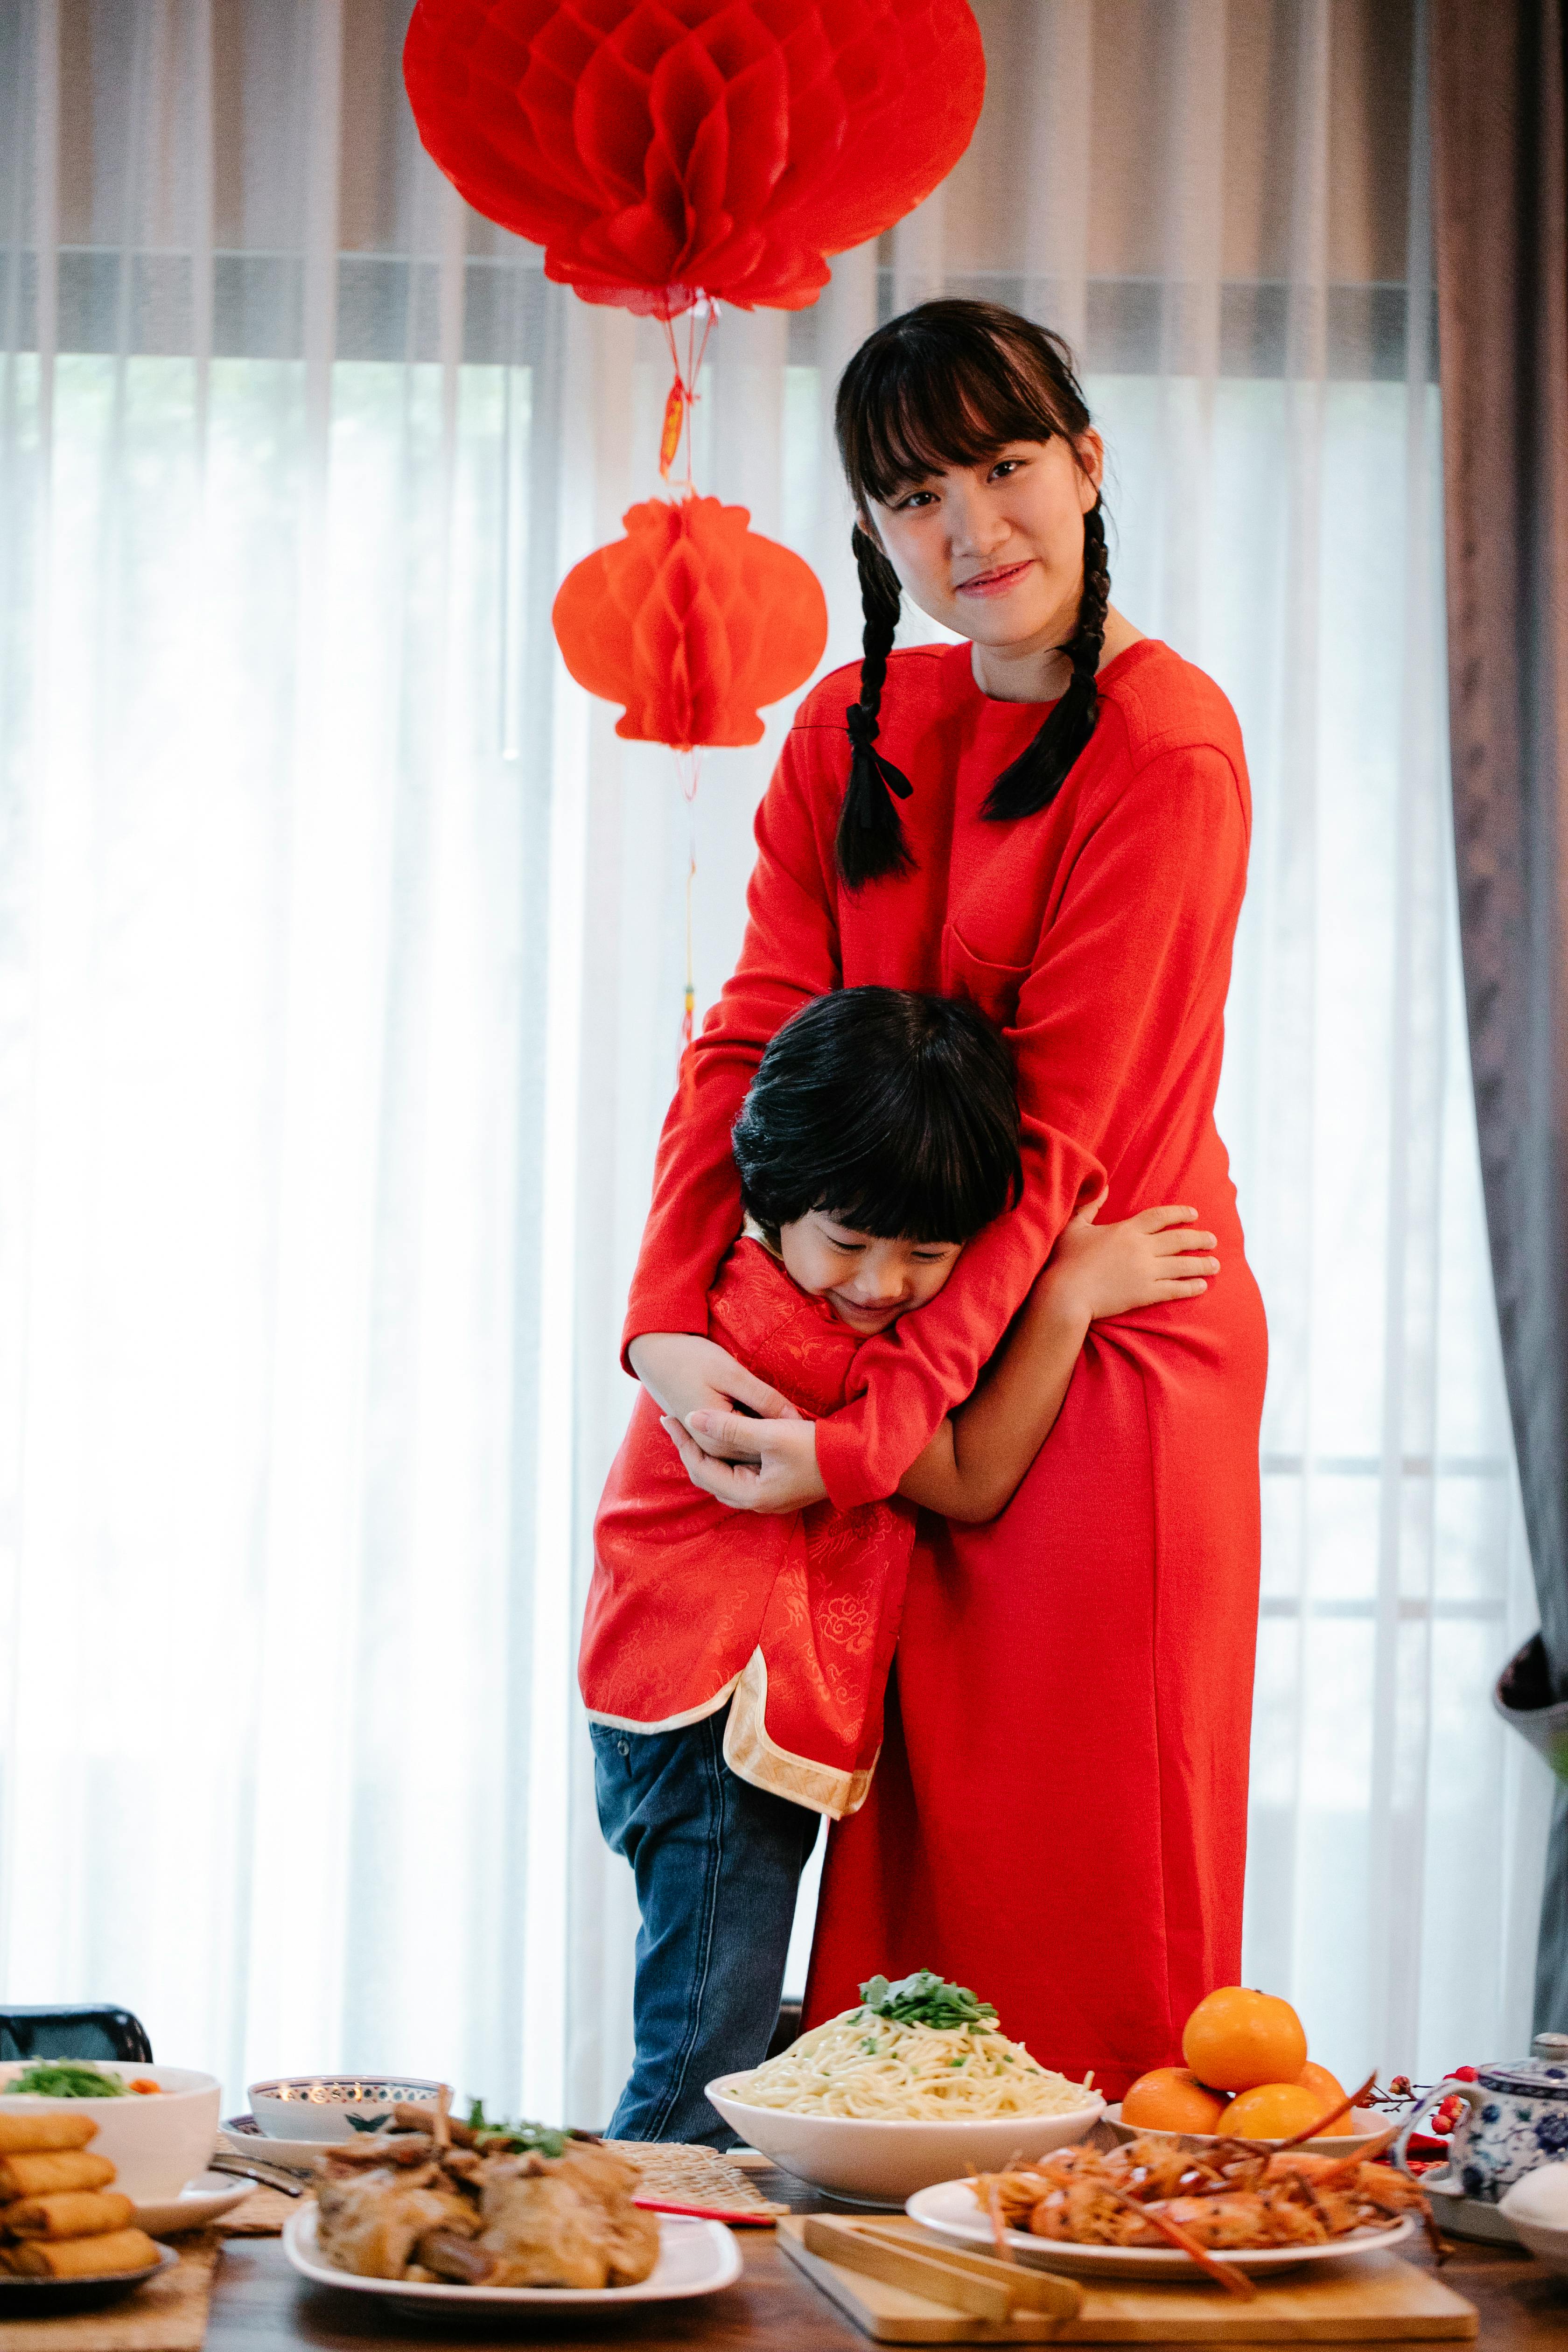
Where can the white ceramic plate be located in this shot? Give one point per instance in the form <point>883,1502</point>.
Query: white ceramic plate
<point>882,2163</point>
<point>1471,2217</point>
<point>694,2258</point>
<point>199,2201</point>
<point>949,2212</point>
<point>1369,2127</point>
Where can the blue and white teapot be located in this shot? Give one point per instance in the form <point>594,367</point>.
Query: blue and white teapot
<point>1516,2119</point>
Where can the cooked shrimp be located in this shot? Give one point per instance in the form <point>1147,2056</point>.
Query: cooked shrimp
<point>1232,2197</point>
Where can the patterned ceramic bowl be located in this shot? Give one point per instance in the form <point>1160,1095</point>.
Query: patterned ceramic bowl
<point>318,2106</point>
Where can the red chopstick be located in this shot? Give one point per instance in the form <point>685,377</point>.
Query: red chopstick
<point>753,2221</point>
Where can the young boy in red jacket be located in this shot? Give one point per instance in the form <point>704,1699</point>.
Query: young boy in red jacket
<point>733,1664</point>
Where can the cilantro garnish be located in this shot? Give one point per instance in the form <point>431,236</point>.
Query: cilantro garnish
<point>924,1999</point>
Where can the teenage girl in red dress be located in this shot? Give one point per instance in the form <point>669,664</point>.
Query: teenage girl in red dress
<point>1051,819</point>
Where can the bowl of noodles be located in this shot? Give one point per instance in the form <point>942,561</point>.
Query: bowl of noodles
<point>917,2083</point>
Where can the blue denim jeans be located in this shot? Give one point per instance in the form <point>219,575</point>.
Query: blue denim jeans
<point>717,1866</point>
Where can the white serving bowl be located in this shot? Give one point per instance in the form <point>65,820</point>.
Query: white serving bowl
<point>883,2163</point>
<point>318,2106</point>
<point>1537,2205</point>
<point>155,2142</point>
<point>1369,2127</point>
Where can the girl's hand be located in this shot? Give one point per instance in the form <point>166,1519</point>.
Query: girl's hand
<point>1099,1270</point>
<point>782,1475</point>
<point>686,1375</point>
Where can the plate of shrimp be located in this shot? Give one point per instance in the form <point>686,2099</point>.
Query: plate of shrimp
<point>1147,2209</point>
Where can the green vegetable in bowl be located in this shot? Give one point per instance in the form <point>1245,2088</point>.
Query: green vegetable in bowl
<point>925,1999</point>
<point>66,2078</point>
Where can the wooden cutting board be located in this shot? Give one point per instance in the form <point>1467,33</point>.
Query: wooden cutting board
<point>1374,2298</point>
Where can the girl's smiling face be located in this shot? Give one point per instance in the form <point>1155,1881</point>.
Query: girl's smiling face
<point>994,551</point>
<point>869,1281</point>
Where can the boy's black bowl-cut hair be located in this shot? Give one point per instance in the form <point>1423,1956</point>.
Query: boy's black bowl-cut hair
<point>892,1112</point>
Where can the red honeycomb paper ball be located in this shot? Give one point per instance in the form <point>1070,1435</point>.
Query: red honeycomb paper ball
<point>691,621</point>
<point>659,150</point>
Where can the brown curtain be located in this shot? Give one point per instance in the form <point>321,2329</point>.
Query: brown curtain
<point>1501,217</point>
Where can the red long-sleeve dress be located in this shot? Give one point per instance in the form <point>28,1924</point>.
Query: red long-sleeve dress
<point>1058,1817</point>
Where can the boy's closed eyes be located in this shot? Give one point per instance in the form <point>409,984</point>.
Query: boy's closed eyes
<point>867,1279</point>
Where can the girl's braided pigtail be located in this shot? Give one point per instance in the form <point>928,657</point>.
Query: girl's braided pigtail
<point>870,834</point>
<point>1038,774</point>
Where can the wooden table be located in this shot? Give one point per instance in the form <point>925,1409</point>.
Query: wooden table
<point>259,2301</point>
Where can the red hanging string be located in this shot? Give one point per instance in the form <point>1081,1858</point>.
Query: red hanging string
<point>689,768</point>
<point>699,323</point>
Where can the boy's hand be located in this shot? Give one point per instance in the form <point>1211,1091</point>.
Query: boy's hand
<point>782,1475</point>
<point>1099,1270</point>
<point>685,1374</point>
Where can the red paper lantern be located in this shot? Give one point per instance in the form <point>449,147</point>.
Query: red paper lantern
<point>660,150</point>
<point>691,621</point>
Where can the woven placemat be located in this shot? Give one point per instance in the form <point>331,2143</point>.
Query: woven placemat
<point>684,2175</point>
<point>262,2215</point>
<point>168,2315</point>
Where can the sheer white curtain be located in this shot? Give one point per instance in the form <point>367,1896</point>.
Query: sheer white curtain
<point>341,970</point>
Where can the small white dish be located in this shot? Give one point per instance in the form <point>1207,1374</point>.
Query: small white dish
<point>949,2210</point>
<point>1369,2127</point>
<point>881,2163</point>
<point>318,2106</point>
<point>156,2141</point>
<point>204,2200</point>
<point>1548,2245</point>
<point>1537,2206</point>
<point>694,2258</point>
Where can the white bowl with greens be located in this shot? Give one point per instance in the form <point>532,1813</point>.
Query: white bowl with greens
<point>157,2136</point>
<point>917,2083</point>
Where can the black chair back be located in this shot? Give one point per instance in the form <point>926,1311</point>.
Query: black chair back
<point>74,2029</point>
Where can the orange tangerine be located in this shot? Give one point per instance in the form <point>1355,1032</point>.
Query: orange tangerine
<point>1272,2110</point>
<point>1328,2092</point>
<point>1170,2099</point>
<point>1237,2039</point>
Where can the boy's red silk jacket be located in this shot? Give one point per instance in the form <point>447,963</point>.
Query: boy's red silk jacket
<point>793,1617</point>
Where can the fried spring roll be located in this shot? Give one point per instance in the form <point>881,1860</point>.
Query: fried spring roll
<point>20,2133</point>
<point>45,2175</point>
<point>74,2213</point>
<point>116,2250</point>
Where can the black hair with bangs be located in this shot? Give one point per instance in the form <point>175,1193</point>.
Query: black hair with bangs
<point>892,1112</point>
<point>950,384</point>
